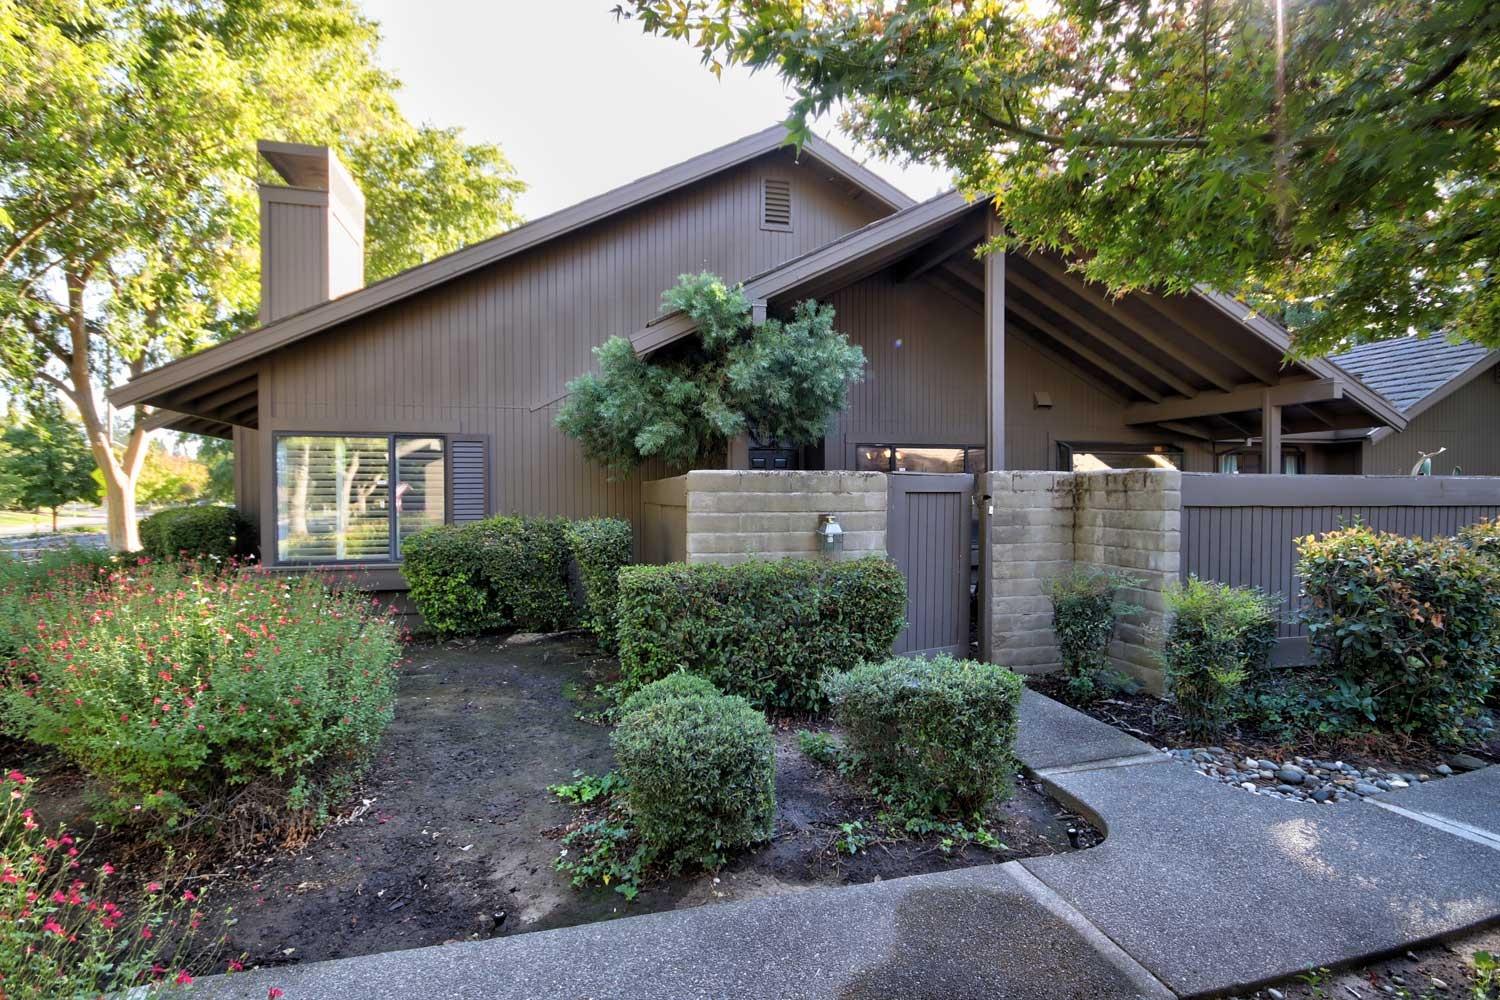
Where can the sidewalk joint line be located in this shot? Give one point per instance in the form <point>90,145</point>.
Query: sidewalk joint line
<point>1140,977</point>
<point>1095,765</point>
<point>1474,834</point>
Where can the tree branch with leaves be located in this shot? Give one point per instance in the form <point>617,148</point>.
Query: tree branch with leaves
<point>1335,163</point>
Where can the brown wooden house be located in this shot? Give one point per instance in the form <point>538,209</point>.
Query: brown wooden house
<point>362,413</point>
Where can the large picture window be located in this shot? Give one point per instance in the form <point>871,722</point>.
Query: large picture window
<point>918,458</point>
<point>1074,457</point>
<point>354,498</point>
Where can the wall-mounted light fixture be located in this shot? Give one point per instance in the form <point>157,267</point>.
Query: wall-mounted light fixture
<point>1041,400</point>
<point>830,534</point>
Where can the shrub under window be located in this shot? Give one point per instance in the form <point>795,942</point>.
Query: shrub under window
<point>1413,624</point>
<point>767,630</point>
<point>700,774</point>
<point>934,736</point>
<point>499,573</point>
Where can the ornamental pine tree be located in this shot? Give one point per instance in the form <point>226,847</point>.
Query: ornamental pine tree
<point>778,381</point>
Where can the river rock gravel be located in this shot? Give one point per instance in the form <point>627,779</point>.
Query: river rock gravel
<point>1300,779</point>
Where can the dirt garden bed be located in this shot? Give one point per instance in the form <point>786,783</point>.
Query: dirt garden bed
<point>453,834</point>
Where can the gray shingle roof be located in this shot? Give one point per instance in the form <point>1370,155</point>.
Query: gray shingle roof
<point>1408,369</point>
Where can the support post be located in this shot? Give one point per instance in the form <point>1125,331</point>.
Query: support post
<point>1270,436</point>
<point>994,424</point>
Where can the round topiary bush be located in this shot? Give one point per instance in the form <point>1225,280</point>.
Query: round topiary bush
<point>679,685</point>
<point>700,771</point>
<point>205,533</point>
<point>935,737</point>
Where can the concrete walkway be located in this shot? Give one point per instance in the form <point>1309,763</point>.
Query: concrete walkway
<point>1199,889</point>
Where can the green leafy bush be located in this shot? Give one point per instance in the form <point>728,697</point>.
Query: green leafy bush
<point>208,532</point>
<point>600,546</point>
<point>935,736</point>
<point>499,573</point>
<point>678,685</point>
<point>1218,636</point>
<point>1085,610</point>
<point>700,775</point>
<point>765,630</point>
<point>1414,623</point>
<point>235,705</point>
<point>1482,538</point>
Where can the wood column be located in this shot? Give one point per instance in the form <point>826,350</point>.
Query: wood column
<point>994,350</point>
<point>994,428</point>
<point>1270,436</point>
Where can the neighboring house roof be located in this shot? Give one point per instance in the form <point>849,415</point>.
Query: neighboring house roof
<point>316,319</point>
<point>1414,372</point>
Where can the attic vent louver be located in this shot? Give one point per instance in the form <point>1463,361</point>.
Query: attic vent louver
<point>776,204</point>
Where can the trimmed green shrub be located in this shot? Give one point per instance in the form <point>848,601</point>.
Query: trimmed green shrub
<point>677,685</point>
<point>1085,610</point>
<point>1412,624</point>
<point>765,630</point>
<point>499,573</point>
<point>700,776</point>
<point>1218,636</point>
<point>600,546</point>
<point>207,532</point>
<point>935,737</point>
<point>234,705</point>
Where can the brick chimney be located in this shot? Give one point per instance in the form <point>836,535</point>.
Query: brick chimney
<point>312,230</point>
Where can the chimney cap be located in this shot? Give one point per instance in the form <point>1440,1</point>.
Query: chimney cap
<point>303,165</point>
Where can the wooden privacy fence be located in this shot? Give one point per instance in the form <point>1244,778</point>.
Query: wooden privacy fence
<point>1242,530</point>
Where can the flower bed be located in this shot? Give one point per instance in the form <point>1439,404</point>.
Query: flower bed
<point>235,705</point>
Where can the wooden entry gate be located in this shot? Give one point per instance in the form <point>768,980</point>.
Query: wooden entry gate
<point>929,519</point>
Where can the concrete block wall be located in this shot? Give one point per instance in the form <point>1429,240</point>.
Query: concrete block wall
<point>734,516</point>
<point>1045,523</point>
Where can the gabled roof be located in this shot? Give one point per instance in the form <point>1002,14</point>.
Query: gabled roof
<point>884,241</point>
<point>254,343</point>
<point>1414,372</point>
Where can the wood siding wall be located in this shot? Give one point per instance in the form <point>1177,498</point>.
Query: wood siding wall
<point>491,353</point>
<point>924,383</point>
<point>1242,530</point>
<point>1467,423</point>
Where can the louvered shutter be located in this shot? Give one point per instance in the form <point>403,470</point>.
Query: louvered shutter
<point>469,483</point>
<point>776,204</point>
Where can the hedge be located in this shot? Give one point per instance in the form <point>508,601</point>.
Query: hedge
<point>935,737</point>
<point>669,687</point>
<point>500,573</point>
<point>205,532</point>
<point>1413,624</point>
<point>1085,610</point>
<point>700,776</point>
<point>600,547</point>
<point>769,631</point>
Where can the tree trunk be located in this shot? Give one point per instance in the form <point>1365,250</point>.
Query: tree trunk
<point>119,499</point>
<point>54,520</point>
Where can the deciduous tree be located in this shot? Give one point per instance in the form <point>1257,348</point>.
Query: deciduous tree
<point>49,461</point>
<point>1335,162</point>
<point>127,169</point>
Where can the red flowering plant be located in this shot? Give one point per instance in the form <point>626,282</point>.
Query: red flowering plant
<point>64,932</point>
<point>235,705</point>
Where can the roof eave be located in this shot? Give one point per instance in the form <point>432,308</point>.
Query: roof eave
<point>263,340</point>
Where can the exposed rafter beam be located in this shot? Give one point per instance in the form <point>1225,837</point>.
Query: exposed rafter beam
<point>1118,311</point>
<point>1187,430</point>
<point>1110,368</point>
<point>934,254</point>
<point>1208,404</point>
<point>1221,345</point>
<point>1087,325</point>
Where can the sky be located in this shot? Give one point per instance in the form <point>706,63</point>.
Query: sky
<point>580,103</point>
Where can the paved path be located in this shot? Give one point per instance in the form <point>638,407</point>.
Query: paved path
<point>1200,889</point>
